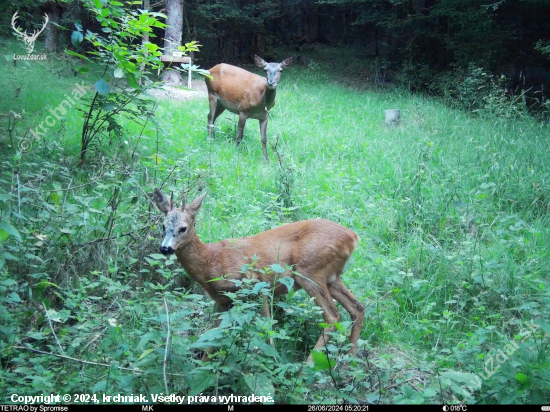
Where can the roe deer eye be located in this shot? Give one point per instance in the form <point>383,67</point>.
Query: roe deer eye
<point>183,229</point>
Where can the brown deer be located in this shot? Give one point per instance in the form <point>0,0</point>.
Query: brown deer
<point>244,93</point>
<point>315,249</point>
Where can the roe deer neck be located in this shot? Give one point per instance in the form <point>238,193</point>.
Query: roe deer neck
<point>270,97</point>
<point>195,259</point>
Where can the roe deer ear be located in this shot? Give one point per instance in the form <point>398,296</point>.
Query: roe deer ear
<point>260,62</point>
<point>161,201</point>
<point>286,62</point>
<point>195,205</point>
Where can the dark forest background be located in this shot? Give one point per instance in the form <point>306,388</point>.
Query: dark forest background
<point>425,44</point>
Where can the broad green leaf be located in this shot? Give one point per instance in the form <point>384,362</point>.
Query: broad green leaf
<point>288,282</point>
<point>132,80</point>
<point>265,348</point>
<point>99,387</point>
<point>119,73</point>
<point>72,53</point>
<point>12,298</point>
<point>259,286</point>
<point>260,385</point>
<point>277,268</point>
<point>145,339</point>
<point>459,376</point>
<point>6,230</point>
<point>202,380</point>
<point>145,353</point>
<point>209,338</point>
<point>150,46</point>
<point>321,362</point>
<point>102,87</point>
<point>76,39</point>
<point>157,256</point>
<point>522,378</point>
<point>55,198</point>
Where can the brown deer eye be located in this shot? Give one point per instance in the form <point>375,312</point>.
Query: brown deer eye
<point>183,229</point>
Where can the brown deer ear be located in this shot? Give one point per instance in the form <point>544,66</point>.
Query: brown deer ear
<point>161,201</point>
<point>286,62</point>
<point>195,205</point>
<point>259,61</point>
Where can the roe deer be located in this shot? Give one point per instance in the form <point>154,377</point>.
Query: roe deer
<point>244,93</point>
<point>316,249</point>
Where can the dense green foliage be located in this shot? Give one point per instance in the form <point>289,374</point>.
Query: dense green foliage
<point>452,266</point>
<point>122,53</point>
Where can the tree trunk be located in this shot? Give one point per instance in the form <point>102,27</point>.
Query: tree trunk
<point>51,33</point>
<point>172,38</point>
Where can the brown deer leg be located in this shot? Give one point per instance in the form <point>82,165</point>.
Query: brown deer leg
<point>215,110</point>
<point>356,310</point>
<point>240,129</point>
<point>331,315</point>
<point>265,308</point>
<point>263,133</point>
<point>323,299</point>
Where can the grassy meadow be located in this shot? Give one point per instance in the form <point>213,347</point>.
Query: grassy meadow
<point>452,266</point>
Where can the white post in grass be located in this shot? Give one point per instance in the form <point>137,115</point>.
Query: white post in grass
<point>392,117</point>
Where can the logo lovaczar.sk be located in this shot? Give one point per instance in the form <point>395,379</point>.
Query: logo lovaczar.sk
<point>28,39</point>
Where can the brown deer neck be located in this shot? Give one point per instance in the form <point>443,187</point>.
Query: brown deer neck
<point>270,97</point>
<point>195,259</point>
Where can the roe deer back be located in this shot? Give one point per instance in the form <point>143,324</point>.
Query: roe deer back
<point>244,93</point>
<point>316,249</point>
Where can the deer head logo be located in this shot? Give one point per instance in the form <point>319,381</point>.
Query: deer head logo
<point>28,40</point>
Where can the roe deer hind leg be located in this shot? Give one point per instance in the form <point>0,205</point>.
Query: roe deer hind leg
<point>356,310</point>
<point>323,299</point>
<point>240,127</point>
<point>215,110</point>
